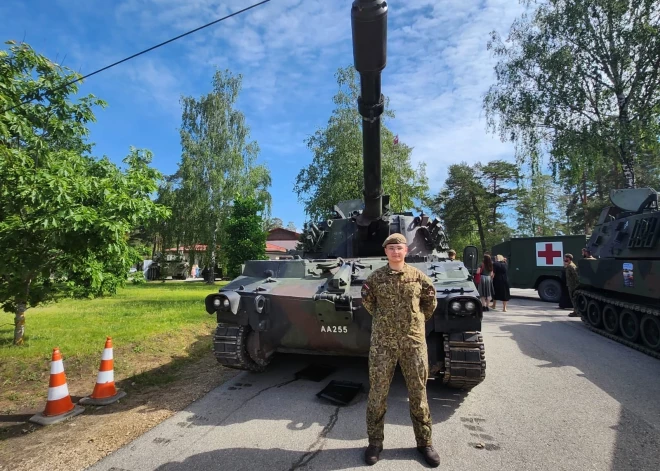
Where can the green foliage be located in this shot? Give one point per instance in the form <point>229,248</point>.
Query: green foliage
<point>217,163</point>
<point>581,78</point>
<point>148,321</point>
<point>272,223</point>
<point>541,206</point>
<point>336,172</point>
<point>245,238</point>
<point>137,278</point>
<point>65,217</point>
<point>471,200</point>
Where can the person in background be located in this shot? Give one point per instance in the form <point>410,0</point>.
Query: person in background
<point>572,279</point>
<point>586,254</point>
<point>451,254</point>
<point>565,298</point>
<point>485,287</point>
<point>501,287</point>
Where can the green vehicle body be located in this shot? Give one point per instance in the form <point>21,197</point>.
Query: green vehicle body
<point>163,267</point>
<point>526,271</point>
<point>311,304</point>
<point>619,292</point>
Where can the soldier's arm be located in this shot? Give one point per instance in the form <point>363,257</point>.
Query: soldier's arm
<point>369,296</point>
<point>428,301</point>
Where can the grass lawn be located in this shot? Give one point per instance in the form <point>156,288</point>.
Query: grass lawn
<point>155,329</point>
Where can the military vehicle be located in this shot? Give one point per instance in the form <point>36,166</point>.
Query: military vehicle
<point>168,265</point>
<point>619,292</point>
<point>537,262</point>
<point>312,303</point>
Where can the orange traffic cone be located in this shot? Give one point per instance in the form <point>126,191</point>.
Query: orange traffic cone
<point>59,405</point>
<point>105,391</point>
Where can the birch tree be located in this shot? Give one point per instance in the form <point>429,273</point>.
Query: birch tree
<point>581,79</point>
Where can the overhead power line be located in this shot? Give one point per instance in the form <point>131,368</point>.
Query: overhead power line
<point>141,52</point>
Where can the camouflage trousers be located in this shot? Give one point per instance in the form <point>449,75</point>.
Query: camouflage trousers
<point>413,361</point>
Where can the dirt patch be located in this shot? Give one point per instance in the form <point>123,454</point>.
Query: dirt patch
<point>83,440</point>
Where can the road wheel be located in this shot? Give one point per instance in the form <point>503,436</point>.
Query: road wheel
<point>650,330</point>
<point>610,319</point>
<point>581,303</point>
<point>629,324</point>
<point>593,313</point>
<point>550,290</point>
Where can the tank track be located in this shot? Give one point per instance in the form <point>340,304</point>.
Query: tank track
<point>636,308</point>
<point>465,360</point>
<point>229,348</point>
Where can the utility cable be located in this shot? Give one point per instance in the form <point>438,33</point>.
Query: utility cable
<point>140,53</point>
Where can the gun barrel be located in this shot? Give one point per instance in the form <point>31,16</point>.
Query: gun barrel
<point>369,27</point>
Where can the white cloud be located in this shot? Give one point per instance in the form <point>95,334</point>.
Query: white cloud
<point>288,50</point>
<point>438,94</point>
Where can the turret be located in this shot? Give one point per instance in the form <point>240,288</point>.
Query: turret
<point>369,26</point>
<point>357,228</point>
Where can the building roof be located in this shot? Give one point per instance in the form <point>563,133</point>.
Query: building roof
<point>274,248</point>
<point>273,234</point>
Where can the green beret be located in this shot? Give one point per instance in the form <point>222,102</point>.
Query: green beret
<point>395,238</point>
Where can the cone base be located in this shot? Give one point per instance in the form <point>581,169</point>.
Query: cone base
<point>41,419</point>
<point>90,401</point>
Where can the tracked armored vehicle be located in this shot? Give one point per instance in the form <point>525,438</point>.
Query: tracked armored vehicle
<point>312,304</point>
<point>619,291</point>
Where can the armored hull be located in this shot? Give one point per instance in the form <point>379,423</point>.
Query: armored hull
<point>315,307</point>
<point>619,291</point>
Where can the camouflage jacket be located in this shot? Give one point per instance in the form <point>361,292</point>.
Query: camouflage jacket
<point>572,277</point>
<point>400,303</point>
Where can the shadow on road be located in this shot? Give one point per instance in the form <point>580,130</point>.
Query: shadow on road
<point>283,398</point>
<point>334,459</point>
<point>287,393</point>
<point>628,376</point>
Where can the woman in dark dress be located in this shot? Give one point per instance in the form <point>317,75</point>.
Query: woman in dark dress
<point>565,299</point>
<point>501,283</point>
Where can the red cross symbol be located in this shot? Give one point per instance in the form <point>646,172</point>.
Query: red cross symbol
<point>549,254</point>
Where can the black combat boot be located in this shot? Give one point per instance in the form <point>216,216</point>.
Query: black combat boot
<point>371,454</point>
<point>430,455</point>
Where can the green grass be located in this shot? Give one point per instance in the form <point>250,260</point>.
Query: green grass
<point>151,325</point>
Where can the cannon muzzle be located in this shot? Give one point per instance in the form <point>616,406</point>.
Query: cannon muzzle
<point>369,26</point>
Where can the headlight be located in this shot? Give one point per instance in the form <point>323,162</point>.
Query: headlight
<point>225,303</point>
<point>216,302</point>
<point>470,306</point>
<point>455,306</point>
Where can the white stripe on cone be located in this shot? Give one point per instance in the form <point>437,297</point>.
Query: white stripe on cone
<point>58,392</point>
<point>107,354</point>
<point>56,367</point>
<point>105,377</point>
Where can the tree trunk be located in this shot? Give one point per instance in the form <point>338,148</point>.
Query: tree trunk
<point>211,279</point>
<point>494,200</point>
<point>480,226</point>
<point>629,173</point>
<point>19,323</point>
<point>584,202</point>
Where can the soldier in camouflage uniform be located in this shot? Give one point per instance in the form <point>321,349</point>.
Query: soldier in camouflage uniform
<point>400,299</point>
<point>572,280</point>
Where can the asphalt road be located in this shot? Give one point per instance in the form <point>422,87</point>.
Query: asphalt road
<point>556,397</point>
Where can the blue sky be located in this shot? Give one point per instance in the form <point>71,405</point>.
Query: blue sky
<point>287,51</point>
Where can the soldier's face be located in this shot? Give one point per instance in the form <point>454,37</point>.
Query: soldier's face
<point>396,252</point>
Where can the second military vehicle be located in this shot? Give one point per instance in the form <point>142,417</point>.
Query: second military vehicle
<point>313,304</point>
<point>537,262</point>
<point>619,292</point>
